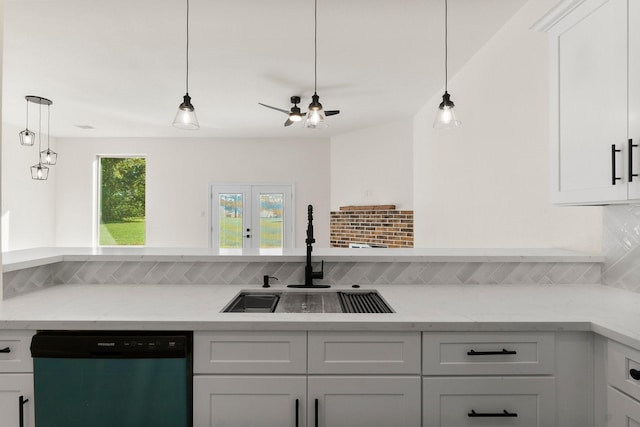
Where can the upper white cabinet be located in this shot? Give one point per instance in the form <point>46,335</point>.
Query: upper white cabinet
<point>595,100</point>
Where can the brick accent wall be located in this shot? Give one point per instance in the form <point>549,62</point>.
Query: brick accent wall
<point>374,225</point>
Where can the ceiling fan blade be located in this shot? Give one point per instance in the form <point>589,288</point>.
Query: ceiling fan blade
<point>274,108</point>
<point>288,122</point>
<point>331,112</point>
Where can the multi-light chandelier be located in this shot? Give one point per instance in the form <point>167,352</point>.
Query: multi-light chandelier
<point>48,157</point>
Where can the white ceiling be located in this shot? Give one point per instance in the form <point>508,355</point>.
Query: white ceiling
<point>119,65</point>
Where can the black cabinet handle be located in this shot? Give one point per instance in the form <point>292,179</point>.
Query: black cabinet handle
<point>635,374</point>
<point>21,402</point>
<point>614,178</point>
<point>503,414</point>
<point>297,412</point>
<point>630,156</point>
<point>5,350</point>
<point>316,414</point>
<point>472,352</point>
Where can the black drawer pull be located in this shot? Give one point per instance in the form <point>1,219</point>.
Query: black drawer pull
<point>5,350</point>
<point>614,178</point>
<point>635,374</point>
<point>472,352</point>
<point>297,412</point>
<point>630,157</point>
<point>21,402</point>
<point>503,414</point>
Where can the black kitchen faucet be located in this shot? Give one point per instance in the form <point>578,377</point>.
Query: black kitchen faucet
<point>309,274</point>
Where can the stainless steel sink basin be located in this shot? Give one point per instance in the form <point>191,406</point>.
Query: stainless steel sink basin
<point>308,302</point>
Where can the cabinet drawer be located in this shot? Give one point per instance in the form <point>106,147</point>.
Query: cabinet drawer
<point>495,353</point>
<point>623,363</point>
<point>15,355</point>
<point>513,401</point>
<point>622,411</point>
<point>231,352</point>
<point>364,352</point>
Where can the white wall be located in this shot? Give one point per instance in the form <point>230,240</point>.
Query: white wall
<point>179,172</point>
<point>373,166</point>
<point>486,184</point>
<point>28,206</point>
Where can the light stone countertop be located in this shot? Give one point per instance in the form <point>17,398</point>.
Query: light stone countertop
<point>610,312</point>
<point>17,260</point>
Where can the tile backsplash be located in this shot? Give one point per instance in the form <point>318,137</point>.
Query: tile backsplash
<point>621,246</point>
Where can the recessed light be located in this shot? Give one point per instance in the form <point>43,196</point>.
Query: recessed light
<point>85,127</point>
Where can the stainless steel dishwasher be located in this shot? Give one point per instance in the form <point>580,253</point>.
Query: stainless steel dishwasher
<point>106,379</point>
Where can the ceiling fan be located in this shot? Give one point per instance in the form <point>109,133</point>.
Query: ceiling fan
<point>295,115</point>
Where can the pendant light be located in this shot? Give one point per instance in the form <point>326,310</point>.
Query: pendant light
<point>39,171</point>
<point>48,156</point>
<point>315,115</point>
<point>446,116</point>
<point>27,138</point>
<point>186,115</point>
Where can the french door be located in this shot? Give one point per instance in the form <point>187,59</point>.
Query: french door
<point>251,216</point>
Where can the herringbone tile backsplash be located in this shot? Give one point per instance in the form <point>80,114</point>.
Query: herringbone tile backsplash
<point>344,273</point>
<point>621,246</point>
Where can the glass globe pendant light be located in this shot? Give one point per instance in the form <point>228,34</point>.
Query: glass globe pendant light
<point>186,115</point>
<point>446,116</point>
<point>315,115</point>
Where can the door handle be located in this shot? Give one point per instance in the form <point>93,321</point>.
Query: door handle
<point>297,412</point>
<point>630,157</point>
<point>503,414</point>
<point>614,178</point>
<point>5,350</point>
<point>21,402</point>
<point>472,352</point>
<point>316,413</point>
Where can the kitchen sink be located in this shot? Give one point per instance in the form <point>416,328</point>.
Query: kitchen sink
<point>308,302</point>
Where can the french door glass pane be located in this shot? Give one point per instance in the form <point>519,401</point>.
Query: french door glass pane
<point>271,220</point>
<point>230,208</point>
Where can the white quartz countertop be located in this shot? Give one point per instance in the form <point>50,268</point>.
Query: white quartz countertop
<point>608,311</point>
<point>16,260</point>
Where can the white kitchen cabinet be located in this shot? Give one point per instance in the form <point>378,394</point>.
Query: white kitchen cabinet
<point>364,401</point>
<point>265,401</point>
<point>16,400</point>
<point>595,50</point>
<point>623,410</point>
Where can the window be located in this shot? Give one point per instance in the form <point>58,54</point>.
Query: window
<point>121,201</point>
<point>251,216</point>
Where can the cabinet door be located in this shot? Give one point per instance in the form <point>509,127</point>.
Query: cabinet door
<point>589,115</point>
<point>16,397</point>
<point>634,94</point>
<point>622,411</point>
<point>339,401</point>
<point>265,401</point>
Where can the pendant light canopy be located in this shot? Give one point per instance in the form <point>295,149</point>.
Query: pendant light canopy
<point>186,115</point>
<point>315,115</point>
<point>446,116</point>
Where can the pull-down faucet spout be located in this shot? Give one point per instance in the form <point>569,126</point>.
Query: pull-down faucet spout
<point>309,274</point>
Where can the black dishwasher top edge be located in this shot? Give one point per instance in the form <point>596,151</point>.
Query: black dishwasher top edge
<point>119,344</point>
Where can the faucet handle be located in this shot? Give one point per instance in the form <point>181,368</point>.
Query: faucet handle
<point>318,274</point>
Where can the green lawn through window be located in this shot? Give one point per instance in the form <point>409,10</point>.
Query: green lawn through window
<point>131,232</point>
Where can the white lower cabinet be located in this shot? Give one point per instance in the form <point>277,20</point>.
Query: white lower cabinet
<point>463,401</point>
<point>265,401</point>
<point>16,400</point>
<point>364,401</point>
<point>623,411</point>
<point>623,390</point>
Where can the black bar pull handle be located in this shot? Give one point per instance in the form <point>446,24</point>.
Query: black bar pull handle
<point>21,402</point>
<point>635,374</point>
<point>630,156</point>
<point>614,178</point>
<point>297,412</point>
<point>503,414</point>
<point>5,350</point>
<point>472,352</point>
<point>316,414</point>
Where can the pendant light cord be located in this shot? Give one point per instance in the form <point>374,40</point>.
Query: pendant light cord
<point>27,114</point>
<point>187,78</point>
<point>446,44</point>
<point>315,50</point>
<point>39,130</point>
<point>48,125</point>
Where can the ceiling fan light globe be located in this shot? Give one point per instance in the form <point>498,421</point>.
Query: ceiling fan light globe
<point>295,117</point>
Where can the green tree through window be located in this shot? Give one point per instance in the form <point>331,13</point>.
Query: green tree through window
<point>122,200</point>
